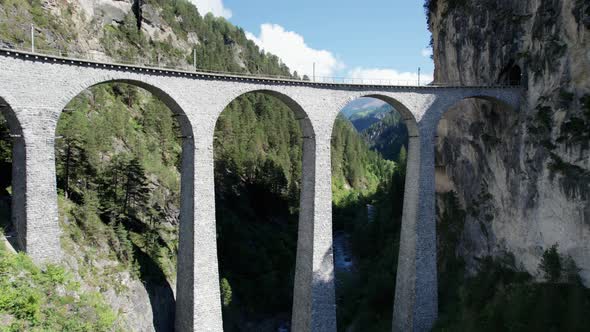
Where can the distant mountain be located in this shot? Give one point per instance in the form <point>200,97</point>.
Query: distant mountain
<point>387,136</point>
<point>379,124</point>
<point>361,104</point>
<point>363,119</point>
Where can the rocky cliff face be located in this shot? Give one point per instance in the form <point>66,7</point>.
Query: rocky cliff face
<point>523,175</point>
<point>100,30</point>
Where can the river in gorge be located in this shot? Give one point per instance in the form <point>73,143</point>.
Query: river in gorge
<point>343,261</point>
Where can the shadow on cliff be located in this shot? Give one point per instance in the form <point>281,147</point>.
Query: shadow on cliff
<point>159,291</point>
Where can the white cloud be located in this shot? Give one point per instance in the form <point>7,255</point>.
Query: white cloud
<point>215,7</point>
<point>427,52</point>
<point>291,48</point>
<point>388,76</point>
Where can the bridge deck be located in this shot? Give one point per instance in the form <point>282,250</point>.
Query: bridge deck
<point>212,75</point>
<point>38,87</point>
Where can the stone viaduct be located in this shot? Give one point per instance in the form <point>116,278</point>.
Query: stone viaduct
<point>35,89</point>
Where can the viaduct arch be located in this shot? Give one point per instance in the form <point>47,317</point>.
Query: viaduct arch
<point>38,87</point>
<point>18,211</point>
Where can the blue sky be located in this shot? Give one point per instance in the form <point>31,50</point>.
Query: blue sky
<point>369,39</point>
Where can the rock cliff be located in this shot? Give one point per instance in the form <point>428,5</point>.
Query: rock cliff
<point>522,175</point>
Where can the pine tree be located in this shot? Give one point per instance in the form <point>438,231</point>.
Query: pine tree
<point>550,264</point>
<point>5,143</point>
<point>571,271</point>
<point>111,185</point>
<point>136,190</point>
<point>403,156</point>
<point>74,166</point>
<point>5,157</point>
<point>125,252</point>
<point>226,293</point>
<point>87,217</point>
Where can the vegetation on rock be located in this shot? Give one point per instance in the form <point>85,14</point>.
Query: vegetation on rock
<point>48,299</point>
<point>500,296</point>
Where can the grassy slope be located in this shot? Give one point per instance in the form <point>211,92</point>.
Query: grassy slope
<point>47,299</point>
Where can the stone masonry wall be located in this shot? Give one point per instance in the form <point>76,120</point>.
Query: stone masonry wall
<point>37,89</point>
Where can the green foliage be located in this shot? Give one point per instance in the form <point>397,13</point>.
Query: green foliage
<point>226,294</point>
<point>403,157</point>
<point>574,180</point>
<point>117,167</point>
<point>499,297</point>
<point>545,117</point>
<point>566,97</point>
<point>362,177</point>
<point>368,117</point>
<point>6,171</point>
<point>218,42</point>
<point>364,301</point>
<point>571,271</point>
<point>43,299</point>
<point>87,217</point>
<point>123,188</point>
<point>258,137</point>
<point>5,143</point>
<point>574,131</point>
<point>581,12</point>
<point>123,246</point>
<point>550,264</point>
<point>51,31</point>
<point>356,170</point>
<point>118,162</point>
<point>258,151</point>
<point>125,42</point>
<point>388,136</point>
<point>555,268</point>
<point>541,126</point>
<point>90,240</point>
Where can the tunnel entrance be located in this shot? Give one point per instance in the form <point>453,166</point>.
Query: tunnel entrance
<point>511,74</point>
<point>515,75</point>
<point>478,156</point>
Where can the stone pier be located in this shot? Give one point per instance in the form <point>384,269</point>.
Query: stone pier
<point>35,88</point>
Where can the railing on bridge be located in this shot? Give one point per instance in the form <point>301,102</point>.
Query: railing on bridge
<point>96,56</point>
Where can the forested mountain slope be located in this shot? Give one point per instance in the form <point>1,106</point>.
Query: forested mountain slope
<point>159,32</point>
<point>364,118</point>
<point>355,168</point>
<point>389,136</point>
